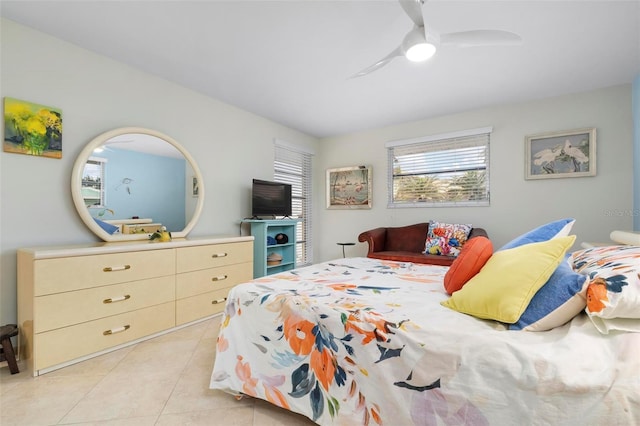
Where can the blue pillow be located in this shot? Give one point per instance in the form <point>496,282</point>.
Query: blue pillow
<point>560,299</point>
<point>109,228</point>
<point>558,228</point>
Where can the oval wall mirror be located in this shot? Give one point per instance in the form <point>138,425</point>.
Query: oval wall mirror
<point>129,182</point>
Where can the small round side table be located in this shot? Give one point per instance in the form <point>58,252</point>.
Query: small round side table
<point>345,244</point>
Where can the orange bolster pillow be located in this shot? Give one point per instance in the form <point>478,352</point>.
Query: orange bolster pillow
<point>474,254</point>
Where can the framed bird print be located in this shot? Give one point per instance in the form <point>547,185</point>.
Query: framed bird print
<point>561,154</point>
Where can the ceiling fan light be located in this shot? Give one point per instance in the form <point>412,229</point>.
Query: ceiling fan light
<point>420,52</point>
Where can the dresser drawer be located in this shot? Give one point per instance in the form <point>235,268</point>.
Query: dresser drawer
<point>64,344</point>
<point>63,309</point>
<point>211,256</point>
<point>200,306</point>
<point>203,281</point>
<point>74,273</point>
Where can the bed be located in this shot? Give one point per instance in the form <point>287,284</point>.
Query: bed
<point>368,341</point>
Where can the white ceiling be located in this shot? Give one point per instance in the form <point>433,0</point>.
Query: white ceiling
<point>289,61</point>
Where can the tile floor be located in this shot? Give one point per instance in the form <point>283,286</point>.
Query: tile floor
<point>162,381</point>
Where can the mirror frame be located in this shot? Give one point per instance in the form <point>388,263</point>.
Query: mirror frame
<point>76,184</point>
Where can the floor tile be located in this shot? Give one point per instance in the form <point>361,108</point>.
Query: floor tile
<point>213,328</point>
<point>151,357</point>
<point>44,400</point>
<point>8,380</point>
<point>132,421</point>
<point>98,366</point>
<point>238,416</point>
<point>192,332</point>
<point>192,393</point>
<point>120,396</point>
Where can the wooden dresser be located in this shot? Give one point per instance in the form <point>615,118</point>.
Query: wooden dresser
<point>75,302</point>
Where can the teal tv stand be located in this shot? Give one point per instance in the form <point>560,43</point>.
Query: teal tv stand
<point>261,229</point>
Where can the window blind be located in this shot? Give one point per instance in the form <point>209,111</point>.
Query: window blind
<point>293,165</point>
<point>438,171</point>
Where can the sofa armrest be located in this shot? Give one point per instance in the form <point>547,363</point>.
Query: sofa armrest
<point>376,239</point>
<point>477,232</point>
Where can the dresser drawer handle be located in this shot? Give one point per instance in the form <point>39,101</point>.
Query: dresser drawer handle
<point>117,299</point>
<point>215,255</point>
<point>215,302</point>
<point>116,330</point>
<point>220,278</point>
<point>116,268</point>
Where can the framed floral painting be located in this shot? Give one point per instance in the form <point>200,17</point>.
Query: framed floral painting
<point>32,129</point>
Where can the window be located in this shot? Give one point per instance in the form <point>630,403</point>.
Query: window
<point>292,165</point>
<point>93,182</point>
<point>440,171</point>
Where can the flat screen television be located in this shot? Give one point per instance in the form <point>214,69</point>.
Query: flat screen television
<point>270,198</point>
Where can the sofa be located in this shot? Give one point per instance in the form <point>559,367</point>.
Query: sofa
<point>406,244</point>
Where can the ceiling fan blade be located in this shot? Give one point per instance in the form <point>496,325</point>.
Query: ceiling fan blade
<point>382,62</point>
<point>413,8</point>
<point>481,38</point>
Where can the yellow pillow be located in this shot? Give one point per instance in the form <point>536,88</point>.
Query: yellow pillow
<point>508,281</point>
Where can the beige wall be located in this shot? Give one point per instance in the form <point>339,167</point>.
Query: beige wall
<point>599,204</point>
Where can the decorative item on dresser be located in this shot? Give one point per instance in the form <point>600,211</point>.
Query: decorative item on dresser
<point>80,301</point>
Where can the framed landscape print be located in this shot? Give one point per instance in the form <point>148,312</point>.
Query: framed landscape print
<point>561,154</point>
<point>349,188</point>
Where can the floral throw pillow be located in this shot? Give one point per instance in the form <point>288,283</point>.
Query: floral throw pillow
<point>446,239</point>
<point>613,293</point>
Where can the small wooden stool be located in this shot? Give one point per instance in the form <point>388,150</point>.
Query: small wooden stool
<point>6,352</point>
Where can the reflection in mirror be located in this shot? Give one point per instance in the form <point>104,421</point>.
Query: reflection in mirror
<point>129,182</point>
<point>136,176</point>
<point>92,179</point>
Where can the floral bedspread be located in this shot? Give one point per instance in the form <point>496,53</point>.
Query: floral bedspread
<point>366,341</point>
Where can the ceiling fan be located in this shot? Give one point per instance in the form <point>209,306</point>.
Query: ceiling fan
<point>421,44</point>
